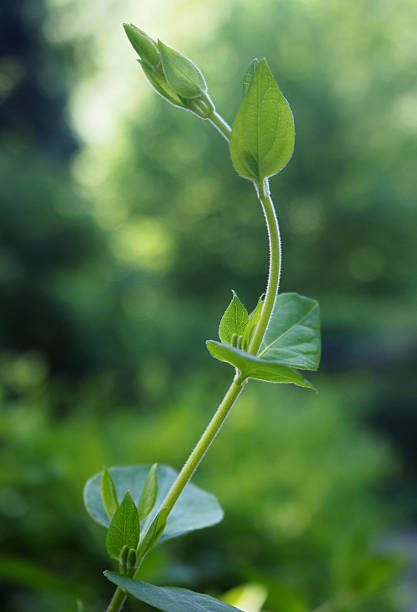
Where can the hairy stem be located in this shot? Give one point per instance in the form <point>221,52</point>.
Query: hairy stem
<point>274,236</point>
<point>274,265</point>
<point>272,289</point>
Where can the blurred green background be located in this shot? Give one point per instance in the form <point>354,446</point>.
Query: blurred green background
<point>123,228</point>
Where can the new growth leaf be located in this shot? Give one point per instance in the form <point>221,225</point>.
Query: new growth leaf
<point>124,528</point>
<point>108,493</point>
<point>263,132</point>
<point>233,321</point>
<point>149,493</point>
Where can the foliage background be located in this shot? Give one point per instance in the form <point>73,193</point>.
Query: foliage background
<point>123,228</point>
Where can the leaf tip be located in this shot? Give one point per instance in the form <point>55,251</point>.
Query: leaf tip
<point>128,496</point>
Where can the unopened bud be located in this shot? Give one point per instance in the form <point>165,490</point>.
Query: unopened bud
<point>242,344</point>
<point>158,82</point>
<point>131,560</point>
<point>123,557</point>
<point>144,45</point>
<point>181,73</point>
<point>172,75</point>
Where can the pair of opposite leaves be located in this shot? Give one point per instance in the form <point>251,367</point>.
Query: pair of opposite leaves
<point>141,487</point>
<point>291,342</point>
<point>125,518</point>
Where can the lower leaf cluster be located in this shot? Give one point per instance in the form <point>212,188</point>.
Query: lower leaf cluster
<point>127,501</point>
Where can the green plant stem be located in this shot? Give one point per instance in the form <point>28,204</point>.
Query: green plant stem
<point>221,125</point>
<point>117,601</point>
<point>190,466</point>
<point>272,289</point>
<point>274,236</point>
<point>274,265</point>
<point>204,443</point>
<point>224,408</point>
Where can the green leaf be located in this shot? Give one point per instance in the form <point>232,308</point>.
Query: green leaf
<point>169,599</point>
<point>195,508</point>
<point>253,321</point>
<point>108,493</point>
<point>253,367</point>
<point>149,493</point>
<point>263,133</point>
<point>154,532</point>
<point>124,527</point>
<point>249,74</point>
<point>143,44</point>
<point>233,321</point>
<point>293,333</point>
<point>181,73</point>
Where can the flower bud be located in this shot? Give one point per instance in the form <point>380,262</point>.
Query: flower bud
<point>131,561</point>
<point>144,45</point>
<point>172,75</point>
<point>158,82</point>
<point>123,558</point>
<point>181,73</point>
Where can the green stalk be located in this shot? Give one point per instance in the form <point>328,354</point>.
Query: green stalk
<point>274,265</point>
<point>221,125</point>
<point>274,236</point>
<point>117,601</point>
<point>203,444</point>
<point>236,387</point>
<point>238,383</point>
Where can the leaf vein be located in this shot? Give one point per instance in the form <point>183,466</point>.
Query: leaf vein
<point>299,322</point>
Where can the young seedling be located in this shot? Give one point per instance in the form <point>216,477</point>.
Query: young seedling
<point>141,506</point>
